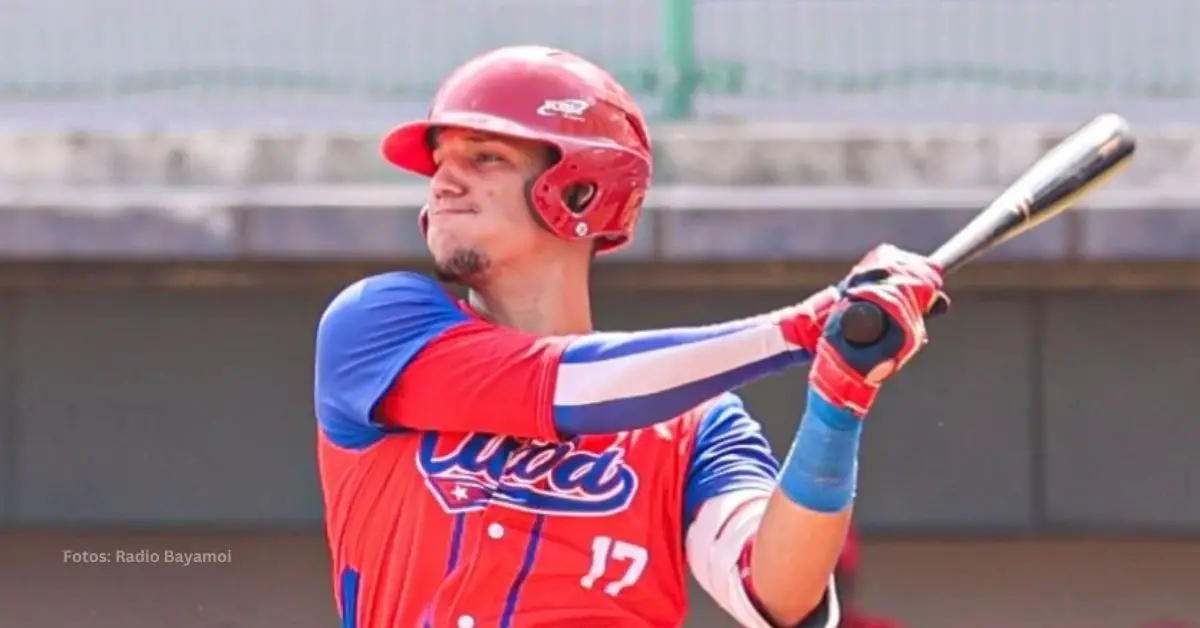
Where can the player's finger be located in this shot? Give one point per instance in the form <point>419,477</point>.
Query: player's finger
<point>866,276</point>
<point>919,298</point>
<point>936,304</point>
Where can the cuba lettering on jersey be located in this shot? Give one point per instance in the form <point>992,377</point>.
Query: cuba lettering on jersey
<point>467,474</point>
<point>470,528</point>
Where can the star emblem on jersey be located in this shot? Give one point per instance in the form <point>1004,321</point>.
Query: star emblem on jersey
<point>460,494</point>
<point>470,472</point>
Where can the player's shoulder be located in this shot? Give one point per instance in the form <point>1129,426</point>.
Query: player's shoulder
<point>398,284</point>
<point>399,290</point>
<point>722,409</point>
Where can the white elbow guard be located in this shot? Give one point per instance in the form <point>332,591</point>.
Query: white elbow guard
<point>715,543</point>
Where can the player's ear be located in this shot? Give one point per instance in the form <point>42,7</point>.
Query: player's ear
<point>547,157</point>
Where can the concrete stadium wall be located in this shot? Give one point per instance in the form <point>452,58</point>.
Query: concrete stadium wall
<point>1030,414</point>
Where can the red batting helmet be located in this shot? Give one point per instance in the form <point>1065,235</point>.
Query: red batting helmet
<point>596,186</point>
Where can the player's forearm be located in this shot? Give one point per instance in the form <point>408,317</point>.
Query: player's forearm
<point>794,554</point>
<point>610,382</point>
<point>801,534</point>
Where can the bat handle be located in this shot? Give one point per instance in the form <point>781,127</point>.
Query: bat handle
<point>863,324</point>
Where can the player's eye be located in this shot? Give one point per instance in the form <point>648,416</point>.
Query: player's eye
<point>487,157</point>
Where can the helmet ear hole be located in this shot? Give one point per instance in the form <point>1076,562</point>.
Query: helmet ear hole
<point>579,196</point>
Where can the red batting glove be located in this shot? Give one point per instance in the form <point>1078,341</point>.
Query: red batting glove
<point>803,324</point>
<point>907,288</point>
<point>886,261</point>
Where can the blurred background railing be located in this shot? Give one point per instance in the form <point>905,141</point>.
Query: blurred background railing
<point>184,184</point>
<point>359,61</point>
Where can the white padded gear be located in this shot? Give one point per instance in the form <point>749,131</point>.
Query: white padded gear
<point>715,540</point>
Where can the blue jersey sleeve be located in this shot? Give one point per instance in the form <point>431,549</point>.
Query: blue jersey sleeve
<point>365,338</point>
<point>731,453</point>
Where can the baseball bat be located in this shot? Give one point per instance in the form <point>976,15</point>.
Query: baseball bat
<point>1050,186</point>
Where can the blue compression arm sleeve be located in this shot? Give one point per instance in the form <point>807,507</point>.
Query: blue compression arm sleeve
<point>609,382</point>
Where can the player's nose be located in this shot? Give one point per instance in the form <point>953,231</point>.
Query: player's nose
<point>446,182</point>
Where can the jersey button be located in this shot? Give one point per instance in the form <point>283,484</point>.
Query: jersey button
<point>496,531</point>
<point>466,621</point>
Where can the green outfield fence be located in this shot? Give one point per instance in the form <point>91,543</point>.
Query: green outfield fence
<point>684,58</point>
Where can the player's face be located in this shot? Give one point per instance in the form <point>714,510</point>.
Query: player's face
<point>478,211</point>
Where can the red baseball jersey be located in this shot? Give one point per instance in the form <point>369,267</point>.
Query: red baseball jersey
<point>453,501</point>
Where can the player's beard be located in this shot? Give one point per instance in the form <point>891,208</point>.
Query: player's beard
<point>462,266</point>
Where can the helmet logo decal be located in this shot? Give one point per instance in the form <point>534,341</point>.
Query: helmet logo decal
<point>569,108</point>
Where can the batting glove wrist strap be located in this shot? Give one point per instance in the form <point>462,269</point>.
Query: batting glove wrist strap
<point>839,383</point>
<point>803,324</point>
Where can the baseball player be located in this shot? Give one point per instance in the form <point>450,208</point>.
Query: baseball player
<point>496,462</point>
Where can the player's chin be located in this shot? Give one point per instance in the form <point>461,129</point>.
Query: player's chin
<point>460,264</point>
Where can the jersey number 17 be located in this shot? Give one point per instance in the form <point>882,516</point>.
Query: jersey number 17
<point>624,558</point>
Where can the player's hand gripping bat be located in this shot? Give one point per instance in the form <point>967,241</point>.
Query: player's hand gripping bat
<point>1047,188</point>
